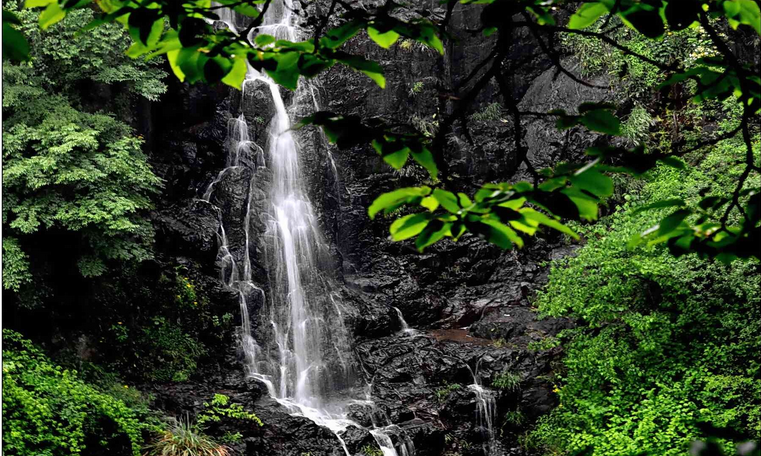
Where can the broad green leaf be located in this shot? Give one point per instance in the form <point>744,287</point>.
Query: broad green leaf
<point>586,206</point>
<point>263,40</point>
<point>744,11</point>
<point>397,159</point>
<point>425,159</point>
<point>430,203</point>
<point>173,57</point>
<point>36,3</point>
<point>448,200</point>
<point>15,46</point>
<point>670,223</point>
<point>593,182</point>
<point>500,234</point>
<point>601,120</point>
<point>384,40</point>
<point>586,15</point>
<point>388,202</point>
<point>334,38</point>
<point>434,232</point>
<point>409,225</point>
<point>547,221</point>
<point>237,74</point>
<point>51,15</point>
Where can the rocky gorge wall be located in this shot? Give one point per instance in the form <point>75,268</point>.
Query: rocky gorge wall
<point>469,301</point>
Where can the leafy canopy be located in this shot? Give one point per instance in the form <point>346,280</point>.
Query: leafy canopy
<point>65,167</point>
<point>504,212</point>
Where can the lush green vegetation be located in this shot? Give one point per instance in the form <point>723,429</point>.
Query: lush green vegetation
<point>667,347</point>
<point>51,411</point>
<point>72,173</point>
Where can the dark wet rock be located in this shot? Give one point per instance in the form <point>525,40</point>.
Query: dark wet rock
<point>189,229</point>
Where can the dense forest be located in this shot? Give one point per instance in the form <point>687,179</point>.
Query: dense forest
<point>370,228</point>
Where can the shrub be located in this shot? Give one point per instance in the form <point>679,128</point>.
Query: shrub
<point>507,381</point>
<point>220,407</point>
<point>184,439</point>
<point>50,411</point>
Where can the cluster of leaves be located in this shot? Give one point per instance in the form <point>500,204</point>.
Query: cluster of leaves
<point>220,407</point>
<point>48,410</point>
<point>66,168</point>
<point>198,52</point>
<point>371,450</point>
<point>507,381</point>
<point>666,343</point>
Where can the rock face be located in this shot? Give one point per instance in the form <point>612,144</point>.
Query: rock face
<point>468,301</point>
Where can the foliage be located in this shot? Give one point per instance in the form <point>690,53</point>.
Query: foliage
<point>48,410</point>
<point>498,211</point>
<point>670,342</point>
<point>220,407</point>
<point>371,450</point>
<point>172,355</point>
<point>507,381</point>
<point>67,168</point>
<point>491,112</point>
<point>448,388</point>
<point>184,439</point>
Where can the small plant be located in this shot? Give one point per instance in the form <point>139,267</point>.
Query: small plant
<point>425,126</point>
<point>637,126</point>
<point>543,344</point>
<point>370,450</point>
<point>443,392</point>
<point>499,343</point>
<point>515,418</point>
<point>415,89</point>
<point>220,407</point>
<point>186,292</point>
<point>231,437</point>
<point>507,381</point>
<point>184,439</point>
<point>491,112</point>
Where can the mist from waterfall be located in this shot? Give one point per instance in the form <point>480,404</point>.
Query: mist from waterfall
<point>305,359</point>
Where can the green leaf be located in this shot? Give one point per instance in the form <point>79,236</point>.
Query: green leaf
<point>448,200</point>
<point>334,38</point>
<point>430,203</point>
<point>263,40</point>
<point>593,182</point>
<point>586,15</point>
<point>670,223</point>
<point>586,206</point>
<point>425,159</point>
<point>384,40</point>
<point>537,216</point>
<point>500,234</point>
<point>237,74</point>
<point>390,201</point>
<point>747,12</point>
<point>601,120</point>
<point>15,46</point>
<point>409,225</point>
<point>51,15</point>
<point>433,232</point>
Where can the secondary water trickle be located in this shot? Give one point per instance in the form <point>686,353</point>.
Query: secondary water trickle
<point>302,360</point>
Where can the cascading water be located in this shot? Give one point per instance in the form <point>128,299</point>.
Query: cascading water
<point>486,411</point>
<point>302,359</point>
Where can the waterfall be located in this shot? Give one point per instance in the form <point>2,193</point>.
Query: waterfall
<point>405,327</point>
<point>486,411</point>
<point>302,354</point>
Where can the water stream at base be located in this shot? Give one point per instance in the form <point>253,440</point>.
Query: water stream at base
<point>302,360</point>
